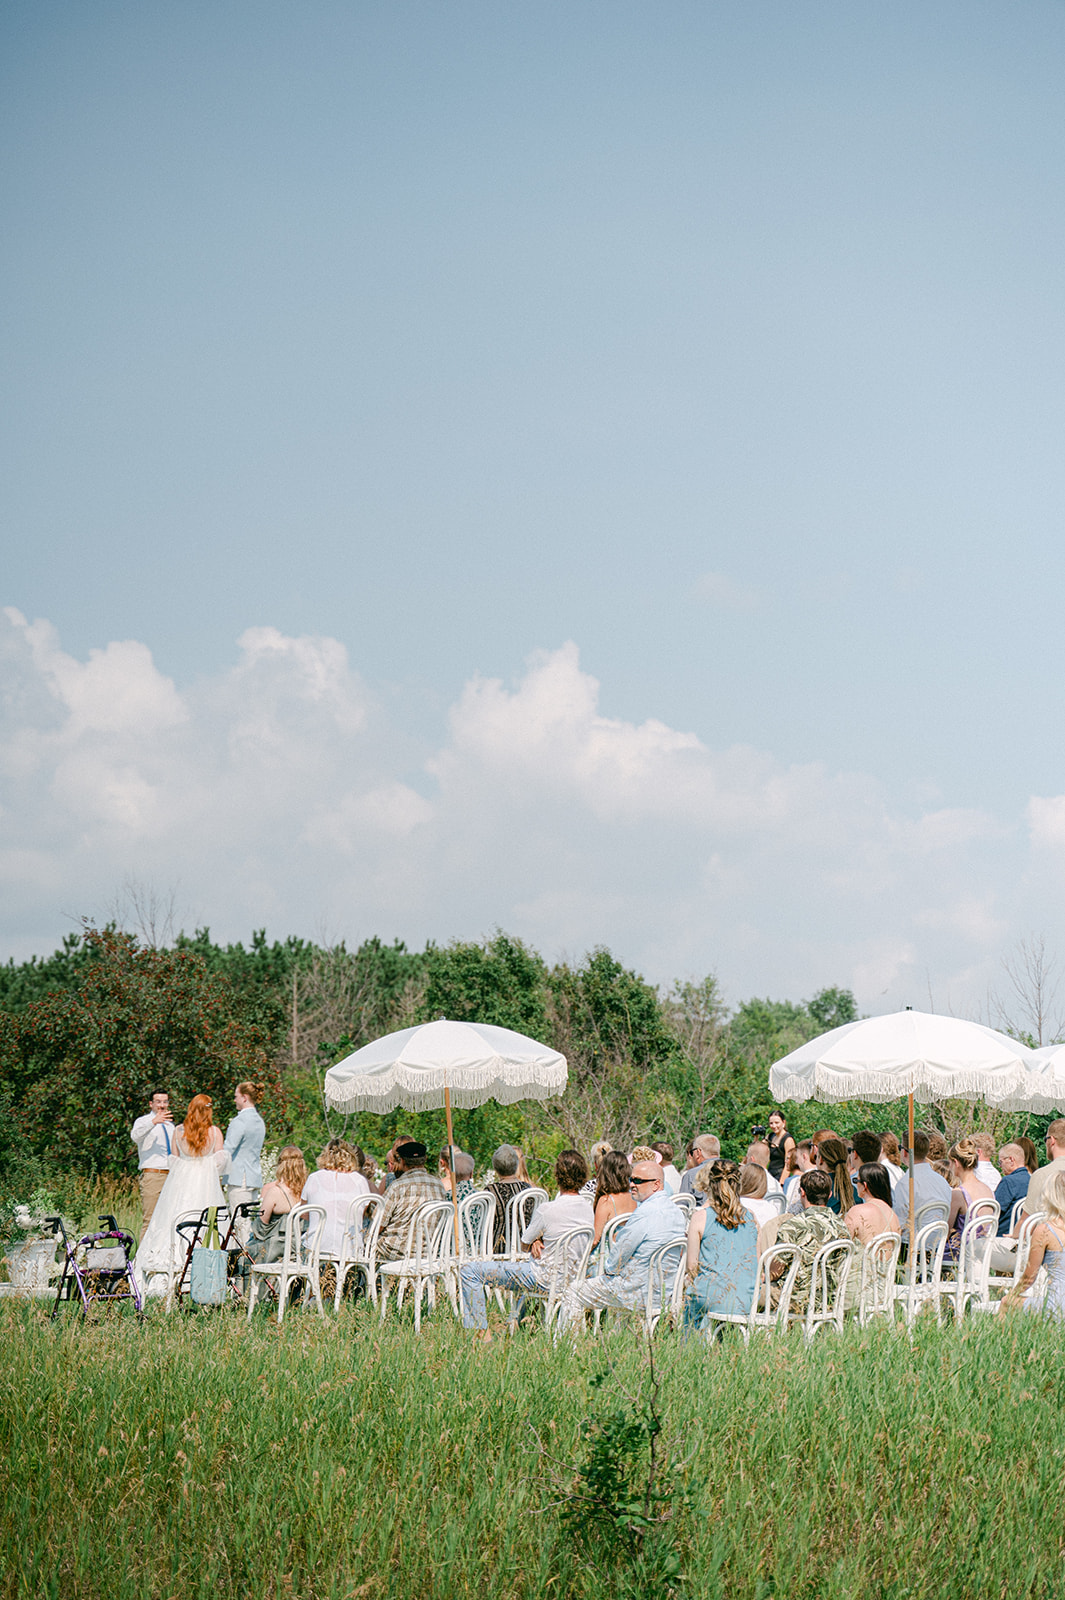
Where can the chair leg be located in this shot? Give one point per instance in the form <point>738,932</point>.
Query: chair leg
<point>316,1286</point>
<point>342,1273</point>
<point>282,1296</point>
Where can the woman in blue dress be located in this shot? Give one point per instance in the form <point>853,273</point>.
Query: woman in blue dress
<point>722,1248</point>
<point>1047,1250</point>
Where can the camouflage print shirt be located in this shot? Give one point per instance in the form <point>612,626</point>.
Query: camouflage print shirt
<point>815,1227</point>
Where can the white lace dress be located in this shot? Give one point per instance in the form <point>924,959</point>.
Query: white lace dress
<point>192,1183</point>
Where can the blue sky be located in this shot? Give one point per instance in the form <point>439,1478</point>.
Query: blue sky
<point>707,355</point>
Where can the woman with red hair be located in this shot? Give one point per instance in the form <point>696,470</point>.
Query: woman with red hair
<point>192,1184</point>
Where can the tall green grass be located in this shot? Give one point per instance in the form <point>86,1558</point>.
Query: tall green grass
<point>203,1456</point>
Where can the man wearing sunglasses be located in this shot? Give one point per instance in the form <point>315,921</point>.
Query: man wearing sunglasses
<point>623,1286</point>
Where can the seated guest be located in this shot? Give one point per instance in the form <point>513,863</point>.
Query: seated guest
<point>704,1147</point>
<point>800,1160</point>
<point>464,1170</point>
<point>1012,1186</point>
<point>278,1198</point>
<point>504,1186</point>
<point>551,1220</point>
<point>613,1196</point>
<point>664,1152</point>
<point>722,1249</point>
<point>1031,1154</point>
<point>928,1187</point>
<point>656,1221</point>
<point>758,1154</point>
<point>833,1158</point>
<point>865,1148</point>
<point>411,1187</point>
<point>891,1157</point>
<point>963,1157</point>
<point>600,1149</point>
<point>753,1181</point>
<point>873,1213</point>
<point>986,1170</point>
<point>816,1226</point>
<point>1047,1250</point>
<point>334,1186</point>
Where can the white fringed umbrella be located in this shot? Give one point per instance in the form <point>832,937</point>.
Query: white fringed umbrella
<point>1044,1088</point>
<point>443,1063</point>
<point>911,1053</point>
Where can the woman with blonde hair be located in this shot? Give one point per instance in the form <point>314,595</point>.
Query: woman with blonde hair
<point>334,1186</point>
<point>192,1184</point>
<point>965,1185</point>
<point>1047,1249</point>
<point>284,1194</point>
<point>722,1247</point>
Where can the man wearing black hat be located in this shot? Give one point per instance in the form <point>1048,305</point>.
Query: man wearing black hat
<point>412,1187</point>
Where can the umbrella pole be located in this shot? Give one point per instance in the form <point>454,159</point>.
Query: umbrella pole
<point>451,1164</point>
<point>913,1219</point>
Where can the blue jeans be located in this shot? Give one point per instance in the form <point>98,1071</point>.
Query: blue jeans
<point>477,1276</point>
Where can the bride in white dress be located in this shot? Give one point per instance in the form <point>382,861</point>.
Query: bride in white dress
<point>192,1183</point>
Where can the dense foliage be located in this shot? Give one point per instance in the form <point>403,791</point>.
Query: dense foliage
<point>88,1032</point>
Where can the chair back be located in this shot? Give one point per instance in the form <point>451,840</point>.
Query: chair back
<point>357,1225</point>
<point>565,1258</point>
<point>432,1232</point>
<point>763,1313</point>
<point>686,1203</point>
<point>876,1289</point>
<point>778,1202</point>
<point>974,1255</point>
<point>477,1215</point>
<point>829,1272</point>
<point>933,1211</point>
<point>665,1271</point>
<point>606,1239</point>
<point>303,1235</point>
<point>1015,1210</point>
<point>520,1210</point>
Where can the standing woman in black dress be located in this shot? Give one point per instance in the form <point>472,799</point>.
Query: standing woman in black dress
<point>780,1142</point>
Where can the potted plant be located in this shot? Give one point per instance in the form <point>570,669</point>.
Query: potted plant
<point>29,1244</point>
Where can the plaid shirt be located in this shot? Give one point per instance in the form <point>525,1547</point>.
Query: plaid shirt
<point>816,1226</point>
<point>409,1191</point>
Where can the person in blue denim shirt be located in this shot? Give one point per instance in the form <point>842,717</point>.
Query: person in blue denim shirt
<point>244,1148</point>
<point>655,1222</point>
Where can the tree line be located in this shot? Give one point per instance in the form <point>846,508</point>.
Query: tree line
<point>87,1032</point>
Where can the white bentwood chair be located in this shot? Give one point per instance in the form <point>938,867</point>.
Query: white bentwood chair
<point>299,1261</point>
<point>521,1208</point>
<point>876,1288</point>
<point>826,1303</point>
<point>429,1254</point>
<point>353,1245</point>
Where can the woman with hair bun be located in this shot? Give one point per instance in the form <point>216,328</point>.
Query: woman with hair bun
<point>191,1185</point>
<point>722,1247</point>
<point>244,1148</point>
<point>966,1186</point>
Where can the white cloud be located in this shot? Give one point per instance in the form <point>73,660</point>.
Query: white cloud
<point>1046,822</point>
<point>278,792</point>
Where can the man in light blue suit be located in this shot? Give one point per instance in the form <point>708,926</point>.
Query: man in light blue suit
<point>244,1147</point>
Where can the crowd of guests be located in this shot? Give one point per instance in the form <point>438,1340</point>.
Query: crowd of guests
<point>803,1193</point>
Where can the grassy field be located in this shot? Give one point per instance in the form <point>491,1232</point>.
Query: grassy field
<point>201,1456</point>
